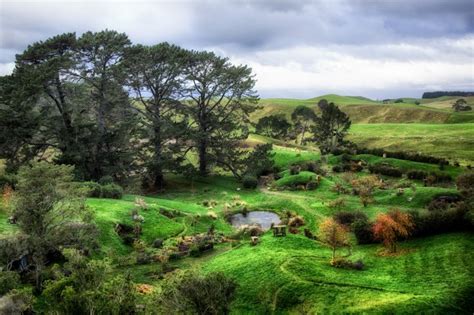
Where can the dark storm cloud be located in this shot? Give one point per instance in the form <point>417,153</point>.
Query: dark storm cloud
<point>295,39</point>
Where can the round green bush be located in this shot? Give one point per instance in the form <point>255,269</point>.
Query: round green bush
<point>250,182</point>
<point>112,191</point>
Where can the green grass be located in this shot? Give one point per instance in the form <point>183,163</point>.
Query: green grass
<point>453,141</point>
<point>293,275</point>
<point>363,110</point>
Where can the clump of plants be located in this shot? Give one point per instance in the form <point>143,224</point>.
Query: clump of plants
<point>96,190</point>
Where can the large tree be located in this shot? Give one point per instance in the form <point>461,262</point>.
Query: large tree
<point>155,76</point>
<point>99,56</point>
<point>330,128</point>
<point>221,96</point>
<point>50,212</point>
<point>274,126</point>
<point>303,118</point>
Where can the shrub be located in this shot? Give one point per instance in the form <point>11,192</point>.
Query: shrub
<point>158,243</point>
<point>9,280</point>
<point>16,302</point>
<point>312,185</point>
<point>250,182</point>
<point>416,174</point>
<point>453,219</point>
<point>415,157</point>
<point>105,180</point>
<point>385,169</point>
<point>197,294</point>
<point>94,189</point>
<point>363,231</point>
<point>112,191</point>
<point>347,264</point>
<point>348,217</point>
<point>295,169</point>
<point>296,221</point>
<point>7,179</point>
<point>465,183</point>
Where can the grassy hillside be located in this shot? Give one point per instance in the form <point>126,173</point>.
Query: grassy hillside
<point>364,110</point>
<point>292,275</point>
<point>453,141</point>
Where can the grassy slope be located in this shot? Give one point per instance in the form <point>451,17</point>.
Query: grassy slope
<point>454,141</point>
<point>292,274</point>
<point>363,110</point>
<point>430,128</point>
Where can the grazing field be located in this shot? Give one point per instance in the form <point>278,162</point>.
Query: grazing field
<point>453,141</point>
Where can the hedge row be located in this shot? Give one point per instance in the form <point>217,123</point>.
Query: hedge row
<point>415,157</point>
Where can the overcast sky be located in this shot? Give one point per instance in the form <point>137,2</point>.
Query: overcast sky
<point>296,48</point>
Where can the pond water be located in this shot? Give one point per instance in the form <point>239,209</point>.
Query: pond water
<point>264,218</point>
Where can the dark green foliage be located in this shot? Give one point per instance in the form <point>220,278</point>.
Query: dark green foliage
<point>9,280</point>
<point>330,128</point>
<point>452,219</point>
<point>347,264</point>
<point>105,180</point>
<point>446,93</point>
<point>221,97</point>
<point>303,118</point>
<point>402,155</point>
<point>112,191</point>
<point>94,189</point>
<point>250,182</point>
<point>195,294</point>
<point>461,106</point>
<point>50,212</point>
<point>274,126</point>
<point>348,217</point>
<point>69,98</point>
<point>158,71</point>
<point>97,190</point>
<point>399,100</point>
<point>417,174</point>
<point>385,169</point>
<point>7,179</point>
<point>363,231</point>
<point>84,287</point>
<point>260,160</point>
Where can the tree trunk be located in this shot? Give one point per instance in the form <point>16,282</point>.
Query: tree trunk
<point>203,156</point>
<point>158,159</point>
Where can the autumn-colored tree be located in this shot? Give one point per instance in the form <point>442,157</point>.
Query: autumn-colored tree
<point>7,195</point>
<point>365,187</point>
<point>334,235</point>
<point>391,226</point>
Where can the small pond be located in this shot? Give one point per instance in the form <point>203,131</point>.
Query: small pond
<point>264,218</point>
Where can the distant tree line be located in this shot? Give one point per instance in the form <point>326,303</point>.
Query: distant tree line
<point>446,93</point>
<point>111,108</point>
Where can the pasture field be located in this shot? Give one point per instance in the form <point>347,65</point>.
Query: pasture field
<point>452,141</point>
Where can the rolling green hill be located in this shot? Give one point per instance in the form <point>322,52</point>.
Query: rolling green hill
<point>364,110</point>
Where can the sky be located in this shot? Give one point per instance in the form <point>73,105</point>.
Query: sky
<point>296,48</point>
